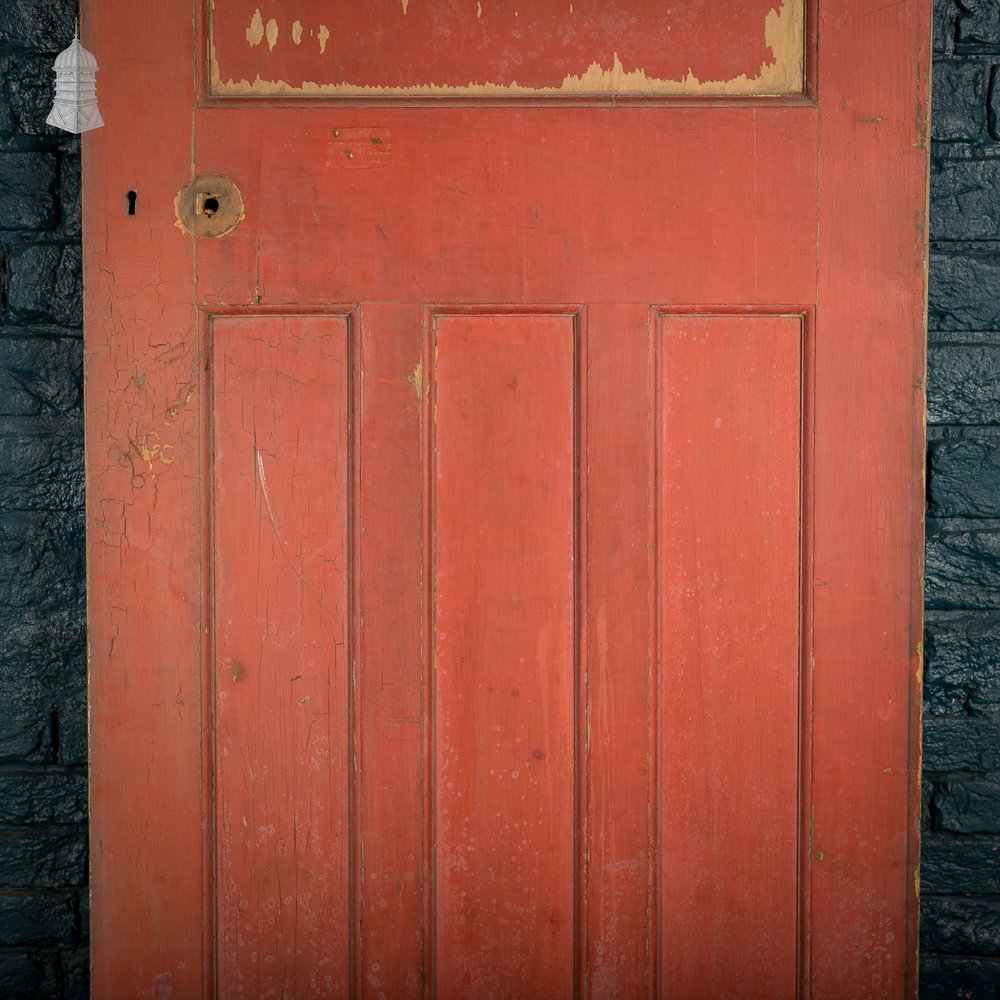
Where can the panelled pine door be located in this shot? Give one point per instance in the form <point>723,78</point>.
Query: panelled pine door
<point>504,504</point>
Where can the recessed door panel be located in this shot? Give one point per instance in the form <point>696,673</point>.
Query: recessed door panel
<point>504,654</point>
<point>730,529</point>
<point>281,468</point>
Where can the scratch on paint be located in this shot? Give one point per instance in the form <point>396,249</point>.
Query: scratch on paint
<point>262,477</point>
<point>784,27</point>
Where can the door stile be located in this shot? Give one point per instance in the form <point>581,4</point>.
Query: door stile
<point>873,110</point>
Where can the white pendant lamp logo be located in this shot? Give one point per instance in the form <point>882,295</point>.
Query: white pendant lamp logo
<point>75,107</point>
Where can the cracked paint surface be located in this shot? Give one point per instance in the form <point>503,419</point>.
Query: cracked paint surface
<point>635,48</point>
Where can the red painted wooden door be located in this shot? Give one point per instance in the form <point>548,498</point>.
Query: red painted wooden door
<point>504,445</point>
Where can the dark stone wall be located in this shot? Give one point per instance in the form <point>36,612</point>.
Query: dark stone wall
<point>43,723</point>
<point>960,862</point>
<point>43,915</point>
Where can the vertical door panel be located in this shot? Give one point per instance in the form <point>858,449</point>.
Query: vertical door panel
<point>729,469</point>
<point>504,654</point>
<point>281,475</point>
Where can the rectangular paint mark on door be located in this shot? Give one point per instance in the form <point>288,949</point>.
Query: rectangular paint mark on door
<point>504,654</point>
<point>730,461</point>
<point>281,388</point>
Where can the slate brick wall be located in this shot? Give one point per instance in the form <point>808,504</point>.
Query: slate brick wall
<point>43,918</point>
<point>43,735</point>
<point>960,864</point>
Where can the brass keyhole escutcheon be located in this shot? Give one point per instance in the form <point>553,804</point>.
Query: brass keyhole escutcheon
<point>209,205</point>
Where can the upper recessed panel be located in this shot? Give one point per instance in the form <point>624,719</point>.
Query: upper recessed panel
<point>505,48</point>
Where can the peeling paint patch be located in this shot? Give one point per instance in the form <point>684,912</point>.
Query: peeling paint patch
<point>323,36</point>
<point>272,33</point>
<point>297,32</point>
<point>255,33</point>
<point>416,379</point>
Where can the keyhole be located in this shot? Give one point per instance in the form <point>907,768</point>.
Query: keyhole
<point>210,205</point>
<point>132,196</point>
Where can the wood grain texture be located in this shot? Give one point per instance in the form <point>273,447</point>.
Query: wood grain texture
<point>504,652</point>
<point>729,488</point>
<point>282,570</point>
<point>550,241</point>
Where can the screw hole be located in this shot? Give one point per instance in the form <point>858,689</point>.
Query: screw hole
<point>210,205</point>
<point>132,196</point>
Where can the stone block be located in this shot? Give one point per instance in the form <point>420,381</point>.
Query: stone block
<point>43,25</point>
<point>46,285</point>
<point>26,722</point>
<point>959,101</point>
<point>965,744</point>
<point>42,859</point>
<point>968,805</point>
<point>979,25</point>
<point>29,87</point>
<point>963,292</point>
<point>965,200</point>
<point>945,21</point>
<point>34,918</point>
<point>70,194</point>
<point>959,979</point>
<point>963,384</point>
<point>962,569</point>
<point>42,375</point>
<point>960,925</point>
<point>43,691</point>
<point>22,975</point>
<point>964,478</point>
<point>76,975</point>
<point>951,865</point>
<point>41,462</point>
<point>41,559</point>
<point>43,797</point>
<point>27,191</point>
<point>962,665</point>
<point>71,748</point>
